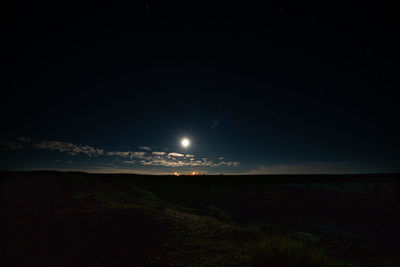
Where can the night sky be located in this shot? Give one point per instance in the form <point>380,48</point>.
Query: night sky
<point>273,88</point>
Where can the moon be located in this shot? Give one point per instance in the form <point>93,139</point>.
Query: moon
<point>185,142</point>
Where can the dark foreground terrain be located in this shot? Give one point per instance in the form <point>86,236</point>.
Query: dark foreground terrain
<point>80,219</point>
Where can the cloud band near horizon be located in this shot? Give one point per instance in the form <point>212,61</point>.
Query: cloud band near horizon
<point>145,158</point>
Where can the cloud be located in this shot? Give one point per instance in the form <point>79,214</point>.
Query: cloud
<point>173,154</point>
<point>159,153</point>
<point>24,139</point>
<point>167,163</point>
<point>184,162</point>
<point>310,167</point>
<point>128,154</point>
<point>139,155</point>
<point>155,158</point>
<point>228,163</point>
<point>11,145</point>
<point>69,148</point>
<point>145,147</point>
<point>109,169</point>
<point>221,158</point>
<point>123,154</point>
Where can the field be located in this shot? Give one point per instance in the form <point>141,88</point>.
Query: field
<point>80,219</point>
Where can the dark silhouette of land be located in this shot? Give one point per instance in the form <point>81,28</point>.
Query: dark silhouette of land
<point>78,219</point>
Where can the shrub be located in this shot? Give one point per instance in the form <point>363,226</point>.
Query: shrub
<point>276,249</point>
<point>218,213</point>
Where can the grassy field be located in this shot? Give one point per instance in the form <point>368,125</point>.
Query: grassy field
<point>80,219</point>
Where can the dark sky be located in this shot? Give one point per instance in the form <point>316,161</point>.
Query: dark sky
<point>273,88</point>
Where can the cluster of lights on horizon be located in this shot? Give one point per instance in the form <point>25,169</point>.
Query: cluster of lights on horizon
<point>187,174</point>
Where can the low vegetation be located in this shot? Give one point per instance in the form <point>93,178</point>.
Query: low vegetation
<point>65,219</point>
<point>281,250</point>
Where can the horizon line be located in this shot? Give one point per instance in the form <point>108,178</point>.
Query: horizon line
<point>205,174</point>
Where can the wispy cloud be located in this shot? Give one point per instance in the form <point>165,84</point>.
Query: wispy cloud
<point>145,158</point>
<point>24,139</point>
<point>11,145</point>
<point>68,148</point>
<point>145,147</point>
<point>128,154</point>
<point>228,163</point>
<point>123,154</point>
<point>139,155</point>
<point>109,169</point>
<point>167,163</point>
<point>129,161</point>
<point>182,162</point>
<point>159,153</point>
<point>173,159</point>
<point>311,167</point>
<point>173,154</point>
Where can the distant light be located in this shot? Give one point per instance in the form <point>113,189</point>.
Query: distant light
<point>185,142</point>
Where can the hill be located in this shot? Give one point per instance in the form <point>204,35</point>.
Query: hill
<point>70,218</point>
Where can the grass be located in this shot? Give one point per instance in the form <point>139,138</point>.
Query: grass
<point>166,221</point>
<point>283,247</point>
<point>276,249</point>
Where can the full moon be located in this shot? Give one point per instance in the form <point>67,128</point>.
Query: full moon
<point>185,142</point>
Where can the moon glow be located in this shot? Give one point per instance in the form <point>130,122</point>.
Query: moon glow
<point>185,142</point>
